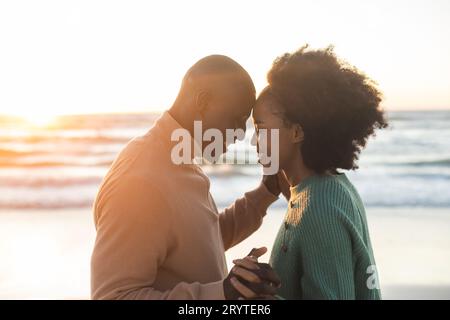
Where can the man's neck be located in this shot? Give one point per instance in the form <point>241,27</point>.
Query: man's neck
<point>188,124</point>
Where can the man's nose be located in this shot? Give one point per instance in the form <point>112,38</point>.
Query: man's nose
<point>243,127</point>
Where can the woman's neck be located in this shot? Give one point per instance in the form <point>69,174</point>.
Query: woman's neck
<point>296,171</point>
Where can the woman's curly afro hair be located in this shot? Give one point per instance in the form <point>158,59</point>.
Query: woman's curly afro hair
<point>337,106</point>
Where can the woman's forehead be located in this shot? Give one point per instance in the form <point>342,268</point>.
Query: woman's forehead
<point>268,103</point>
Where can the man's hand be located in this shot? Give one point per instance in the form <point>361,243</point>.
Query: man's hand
<point>284,185</point>
<point>271,183</point>
<point>250,279</point>
<point>277,184</point>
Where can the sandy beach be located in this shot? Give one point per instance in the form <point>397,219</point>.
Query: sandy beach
<point>411,246</point>
<point>45,253</point>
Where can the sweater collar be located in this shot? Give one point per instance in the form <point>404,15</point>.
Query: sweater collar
<point>296,190</point>
<point>166,125</point>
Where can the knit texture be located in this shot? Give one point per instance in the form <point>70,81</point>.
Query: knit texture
<point>323,249</point>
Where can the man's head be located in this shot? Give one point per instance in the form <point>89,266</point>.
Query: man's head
<point>216,91</point>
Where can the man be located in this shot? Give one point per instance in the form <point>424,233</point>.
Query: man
<point>159,235</point>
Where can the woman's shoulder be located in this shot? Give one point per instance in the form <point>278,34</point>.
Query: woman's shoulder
<point>327,197</point>
<point>327,188</point>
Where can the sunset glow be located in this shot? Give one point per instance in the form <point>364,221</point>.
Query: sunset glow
<point>39,120</point>
<point>61,57</point>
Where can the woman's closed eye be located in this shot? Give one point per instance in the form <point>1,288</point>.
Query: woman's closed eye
<point>241,122</point>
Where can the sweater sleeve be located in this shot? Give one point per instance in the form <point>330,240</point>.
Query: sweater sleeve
<point>326,256</point>
<point>245,215</point>
<point>133,224</point>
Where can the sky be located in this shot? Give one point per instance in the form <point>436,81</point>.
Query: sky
<point>66,57</point>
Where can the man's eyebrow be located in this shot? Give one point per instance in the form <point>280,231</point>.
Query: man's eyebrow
<point>258,121</point>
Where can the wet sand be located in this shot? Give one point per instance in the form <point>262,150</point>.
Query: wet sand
<point>45,254</point>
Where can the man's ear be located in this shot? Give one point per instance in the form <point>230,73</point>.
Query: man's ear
<point>202,100</point>
<point>297,133</point>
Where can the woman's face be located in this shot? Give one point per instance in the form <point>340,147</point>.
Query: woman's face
<point>266,117</point>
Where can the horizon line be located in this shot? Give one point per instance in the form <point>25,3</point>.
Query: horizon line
<point>157,112</point>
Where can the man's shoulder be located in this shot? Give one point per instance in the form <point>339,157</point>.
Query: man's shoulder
<point>145,154</point>
<point>121,193</point>
<point>140,163</point>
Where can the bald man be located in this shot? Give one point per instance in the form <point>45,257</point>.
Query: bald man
<point>159,234</point>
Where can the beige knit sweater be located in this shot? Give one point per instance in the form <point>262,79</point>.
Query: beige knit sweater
<point>159,235</point>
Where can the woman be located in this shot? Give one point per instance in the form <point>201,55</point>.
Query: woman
<point>325,110</point>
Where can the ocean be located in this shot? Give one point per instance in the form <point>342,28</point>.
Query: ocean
<point>62,165</point>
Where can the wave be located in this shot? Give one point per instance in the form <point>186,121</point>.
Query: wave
<point>418,116</point>
<point>62,167</point>
<point>14,153</point>
<point>42,164</point>
<point>48,181</point>
<point>83,121</point>
<point>10,153</point>
<point>27,205</point>
<point>35,139</point>
<point>422,163</point>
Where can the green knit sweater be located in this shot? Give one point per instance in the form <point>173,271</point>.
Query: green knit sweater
<point>323,249</point>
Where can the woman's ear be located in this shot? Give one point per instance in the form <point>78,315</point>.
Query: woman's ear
<point>202,100</point>
<point>297,133</point>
